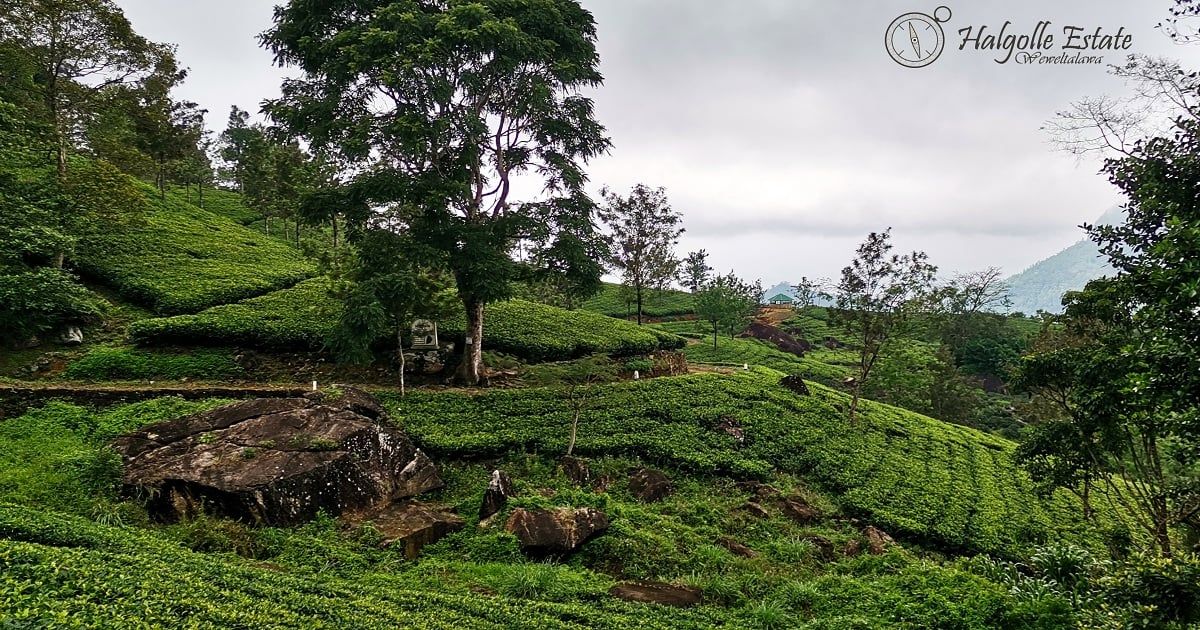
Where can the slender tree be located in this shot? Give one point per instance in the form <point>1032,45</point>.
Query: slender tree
<point>695,271</point>
<point>645,231</point>
<point>443,106</point>
<point>877,297</point>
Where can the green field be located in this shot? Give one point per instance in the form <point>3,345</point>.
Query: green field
<point>952,486</point>
<point>178,258</point>
<point>609,301</point>
<point>301,317</point>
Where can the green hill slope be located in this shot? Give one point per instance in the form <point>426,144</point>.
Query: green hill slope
<point>300,318</point>
<point>949,485</point>
<point>182,259</point>
<point>669,303</point>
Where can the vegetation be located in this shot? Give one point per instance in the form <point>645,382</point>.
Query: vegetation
<point>181,259</point>
<point>645,231</point>
<point>488,92</point>
<point>613,301</point>
<point>110,363</point>
<point>727,303</point>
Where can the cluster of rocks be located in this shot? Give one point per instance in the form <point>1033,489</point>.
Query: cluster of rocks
<point>797,508</point>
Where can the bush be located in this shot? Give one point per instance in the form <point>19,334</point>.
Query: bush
<point>116,364</point>
<point>181,259</point>
<point>301,318</point>
<point>298,318</point>
<point>33,302</point>
<point>952,486</point>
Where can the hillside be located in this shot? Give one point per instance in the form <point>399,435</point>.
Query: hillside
<point>612,302</point>
<point>935,487</point>
<point>179,258</point>
<point>1042,285</point>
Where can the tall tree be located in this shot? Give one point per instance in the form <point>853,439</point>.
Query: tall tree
<point>80,47</point>
<point>645,231</point>
<point>695,270</point>
<point>443,106</point>
<point>877,297</point>
<point>727,303</point>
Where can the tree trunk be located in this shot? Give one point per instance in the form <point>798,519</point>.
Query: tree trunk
<point>200,191</point>
<point>854,404</point>
<point>400,352</point>
<point>335,233</point>
<point>714,336</point>
<point>638,290</point>
<point>574,432</point>
<point>470,370</point>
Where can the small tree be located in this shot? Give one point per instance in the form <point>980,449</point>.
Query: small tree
<point>579,382</point>
<point>695,270</point>
<point>645,231</point>
<point>727,303</point>
<point>877,297</point>
<point>384,291</point>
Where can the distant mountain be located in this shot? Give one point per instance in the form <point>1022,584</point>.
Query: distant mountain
<point>783,287</point>
<point>1041,286</point>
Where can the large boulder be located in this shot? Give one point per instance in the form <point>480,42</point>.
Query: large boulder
<point>777,337</point>
<point>275,461</point>
<point>557,531</point>
<point>410,525</point>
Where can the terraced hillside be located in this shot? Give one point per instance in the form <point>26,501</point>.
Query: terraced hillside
<point>179,258</point>
<point>301,317</point>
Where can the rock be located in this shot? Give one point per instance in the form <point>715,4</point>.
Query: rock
<point>732,428</point>
<point>411,525</point>
<point>650,485</point>
<point>877,540</point>
<point>28,344</point>
<point>853,548</point>
<point>795,384</point>
<point>754,509</point>
<point>736,548</point>
<point>824,546</point>
<point>797,509</point>
<point>275,461</point>
<point>71,336</point>
<point>556,531</point>
<point>657,593</point>
<point>577,470</point>
<point>777,337</point>
<point>496,496</point>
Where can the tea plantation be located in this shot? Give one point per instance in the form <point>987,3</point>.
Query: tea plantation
<point>611,301</point>
<point>178,258</point>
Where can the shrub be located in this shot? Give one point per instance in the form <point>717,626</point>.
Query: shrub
<point>181,259</point>
<point>114,364</point>
<point>33,302</point>
<point>298,318</point>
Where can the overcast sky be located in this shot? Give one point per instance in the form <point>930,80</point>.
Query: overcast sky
<point>782,129</point>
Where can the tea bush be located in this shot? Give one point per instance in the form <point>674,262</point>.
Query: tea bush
<point>666,303</point>
<point>301,317</point>
<point>181,259</point>
<point>107,363</point>
<point>952,486</point>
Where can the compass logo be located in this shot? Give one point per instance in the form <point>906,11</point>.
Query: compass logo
<point>915,40</point>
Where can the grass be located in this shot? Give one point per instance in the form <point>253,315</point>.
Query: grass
<point>668,303</point>
<point>114,363</point>
<point>179,258</point>
<point>301,318</point>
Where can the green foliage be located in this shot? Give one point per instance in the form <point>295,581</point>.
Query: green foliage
<point>226,203</point>
<point>918,477</point>
<point>727,303</point>
<point>738,351</point>
<point>539,332</point>
<point>612,301</point>
<point>34,302</point>
<point>108,363</point>
<point>645,231</point>
<point>303,316</point>
<point>183,259</point>
<point>298,318</point>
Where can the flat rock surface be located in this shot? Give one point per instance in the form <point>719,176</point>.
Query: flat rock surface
<point>555,531</point>
<point>411,525</point>
<point>275,461</point>
<point>657,593</point>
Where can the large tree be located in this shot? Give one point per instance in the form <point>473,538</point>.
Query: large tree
<point>877,298</point>
<point>645,231</point>
<point>440,107</point>
<point>695,272</point>
<point>80,47</point>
